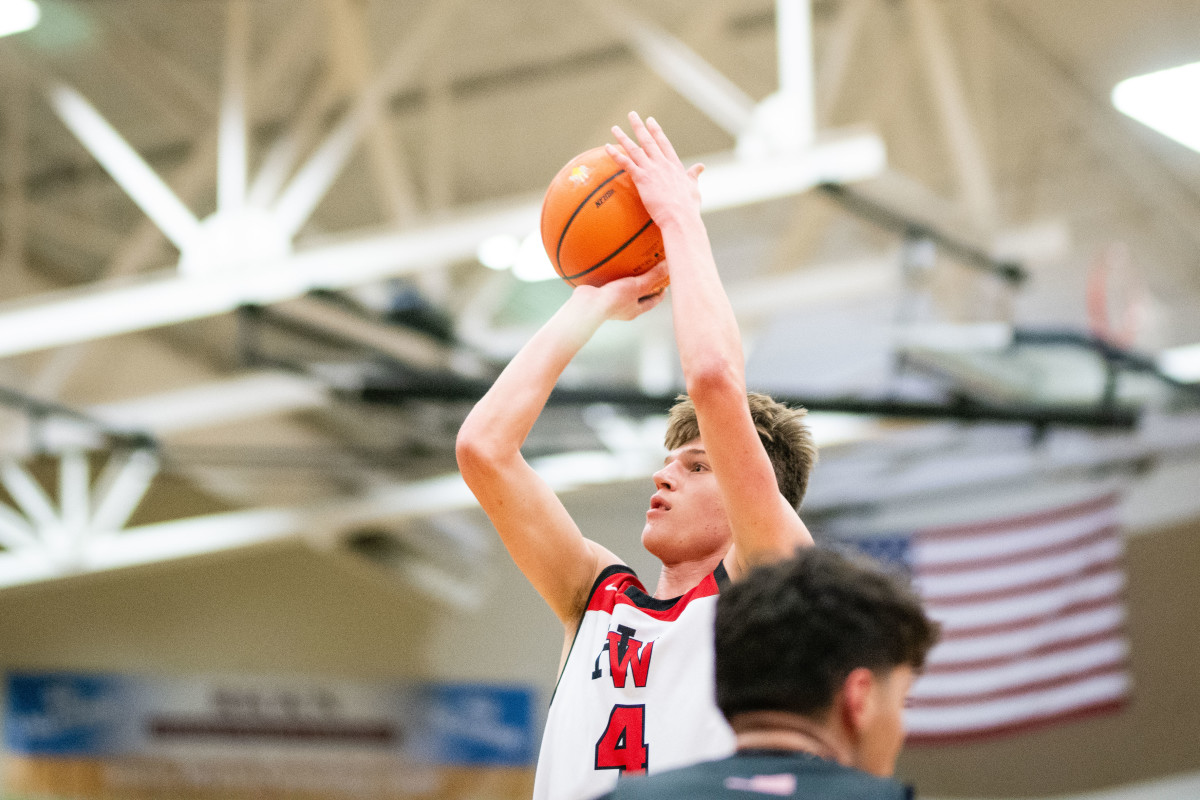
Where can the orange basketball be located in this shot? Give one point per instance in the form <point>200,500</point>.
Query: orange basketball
<point>594,226</point>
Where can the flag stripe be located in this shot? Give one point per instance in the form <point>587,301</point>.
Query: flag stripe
<point>1058,581</point>
<point>966,683</point>
<point>952,634</point>
<point>997,713</point>
<point>1083,712</point>
<point>1113,668</point>
<point>1028,606</point>
<point>1040,518</point>
<point>932,565</point>
<point>935,666</point>
<point>1016,577</point>
<point>934,550</point>
<point>1021,640</point>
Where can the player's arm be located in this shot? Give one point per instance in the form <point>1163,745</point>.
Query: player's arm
<point>764,524</point>
<point>539,534</point>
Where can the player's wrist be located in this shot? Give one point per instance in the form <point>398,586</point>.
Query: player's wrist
<point>590,306</point>
<point>679,219</point>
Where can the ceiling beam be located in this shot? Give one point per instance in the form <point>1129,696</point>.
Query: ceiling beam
<point>28,494</point>
<point>796,92</point>
<point>300,197</point>
<point>898,221</point>
<point>206,405</point>
<point>100,310</point>
<point>325,321</point>
<point>836,59</point>
<point>303,127</point>
<point>321,524</point>
<point>351,50</point>
<point>231,138</point>
<point>695,79</point>
<point>122,162</point>
<point>324,524</point>
<point>845,159</point>
<point>966,150</point>
<point>195,175</point>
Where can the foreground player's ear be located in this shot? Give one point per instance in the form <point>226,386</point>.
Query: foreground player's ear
<point>858,700</point>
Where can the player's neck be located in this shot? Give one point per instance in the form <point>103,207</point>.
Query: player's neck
<point>779,730</point>
<point>678,579</point>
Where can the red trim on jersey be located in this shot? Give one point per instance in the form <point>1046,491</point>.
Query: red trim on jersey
<point>624,588</point>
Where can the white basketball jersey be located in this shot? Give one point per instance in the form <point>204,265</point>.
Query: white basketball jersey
<point>636,693</point>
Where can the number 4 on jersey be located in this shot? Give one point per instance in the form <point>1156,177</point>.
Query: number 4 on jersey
<point>623,744</point>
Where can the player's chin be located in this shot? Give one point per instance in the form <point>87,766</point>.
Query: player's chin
<point>663,543</point>
<point>653,537</point>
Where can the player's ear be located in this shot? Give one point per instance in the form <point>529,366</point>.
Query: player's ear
<point>858,700</point>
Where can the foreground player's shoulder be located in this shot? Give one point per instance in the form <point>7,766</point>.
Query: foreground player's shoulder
<point>802,776</point>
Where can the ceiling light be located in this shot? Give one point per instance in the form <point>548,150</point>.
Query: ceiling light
<point>18,15</point>
<point>1181,363</point>
<point>532,262</point>
<point>499,252</point>
<point>1165,101</point>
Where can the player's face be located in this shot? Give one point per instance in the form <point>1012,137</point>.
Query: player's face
<point>686,520</point>
<point>883,736</point>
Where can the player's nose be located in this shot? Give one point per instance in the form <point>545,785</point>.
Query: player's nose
<point>663,480</point>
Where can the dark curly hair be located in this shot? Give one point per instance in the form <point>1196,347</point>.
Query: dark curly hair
<point>787,440</point>
<point>789,633</point>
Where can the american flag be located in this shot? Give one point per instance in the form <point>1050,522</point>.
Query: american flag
<point>1032,617</point>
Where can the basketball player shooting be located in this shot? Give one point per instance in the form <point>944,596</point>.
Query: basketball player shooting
<point>635,691</point>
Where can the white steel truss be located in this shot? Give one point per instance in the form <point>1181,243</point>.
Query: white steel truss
<point>248,251</point>
<point>244,253</point>
<point>62,535</point>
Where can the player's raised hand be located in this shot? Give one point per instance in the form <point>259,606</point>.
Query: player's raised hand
<point>632,296</point>
<point>667,188</point>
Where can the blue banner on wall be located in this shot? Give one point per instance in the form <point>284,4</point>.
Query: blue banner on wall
<point>96,715</point>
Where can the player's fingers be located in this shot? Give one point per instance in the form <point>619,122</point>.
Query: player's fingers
<point>643,135</point>
<point>655,275</point>
<point>652,300</point>
<point>632,151</point>
<point>653,281</point>
<point>660,138</point>
<point>619,155</point>
<point>694,171</point>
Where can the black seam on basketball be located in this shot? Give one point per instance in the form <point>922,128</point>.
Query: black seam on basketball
<point>567,227</point>
<point>611,255</point>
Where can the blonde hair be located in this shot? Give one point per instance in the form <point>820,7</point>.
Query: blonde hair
<point>785,437</point>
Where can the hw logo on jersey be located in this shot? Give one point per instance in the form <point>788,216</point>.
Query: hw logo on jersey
<point>625,654</point>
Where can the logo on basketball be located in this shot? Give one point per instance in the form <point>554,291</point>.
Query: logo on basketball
<point>579,175</point>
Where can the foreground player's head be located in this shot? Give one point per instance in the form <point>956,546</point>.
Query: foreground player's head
<point>829,638</point>
<point>787,440</point>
